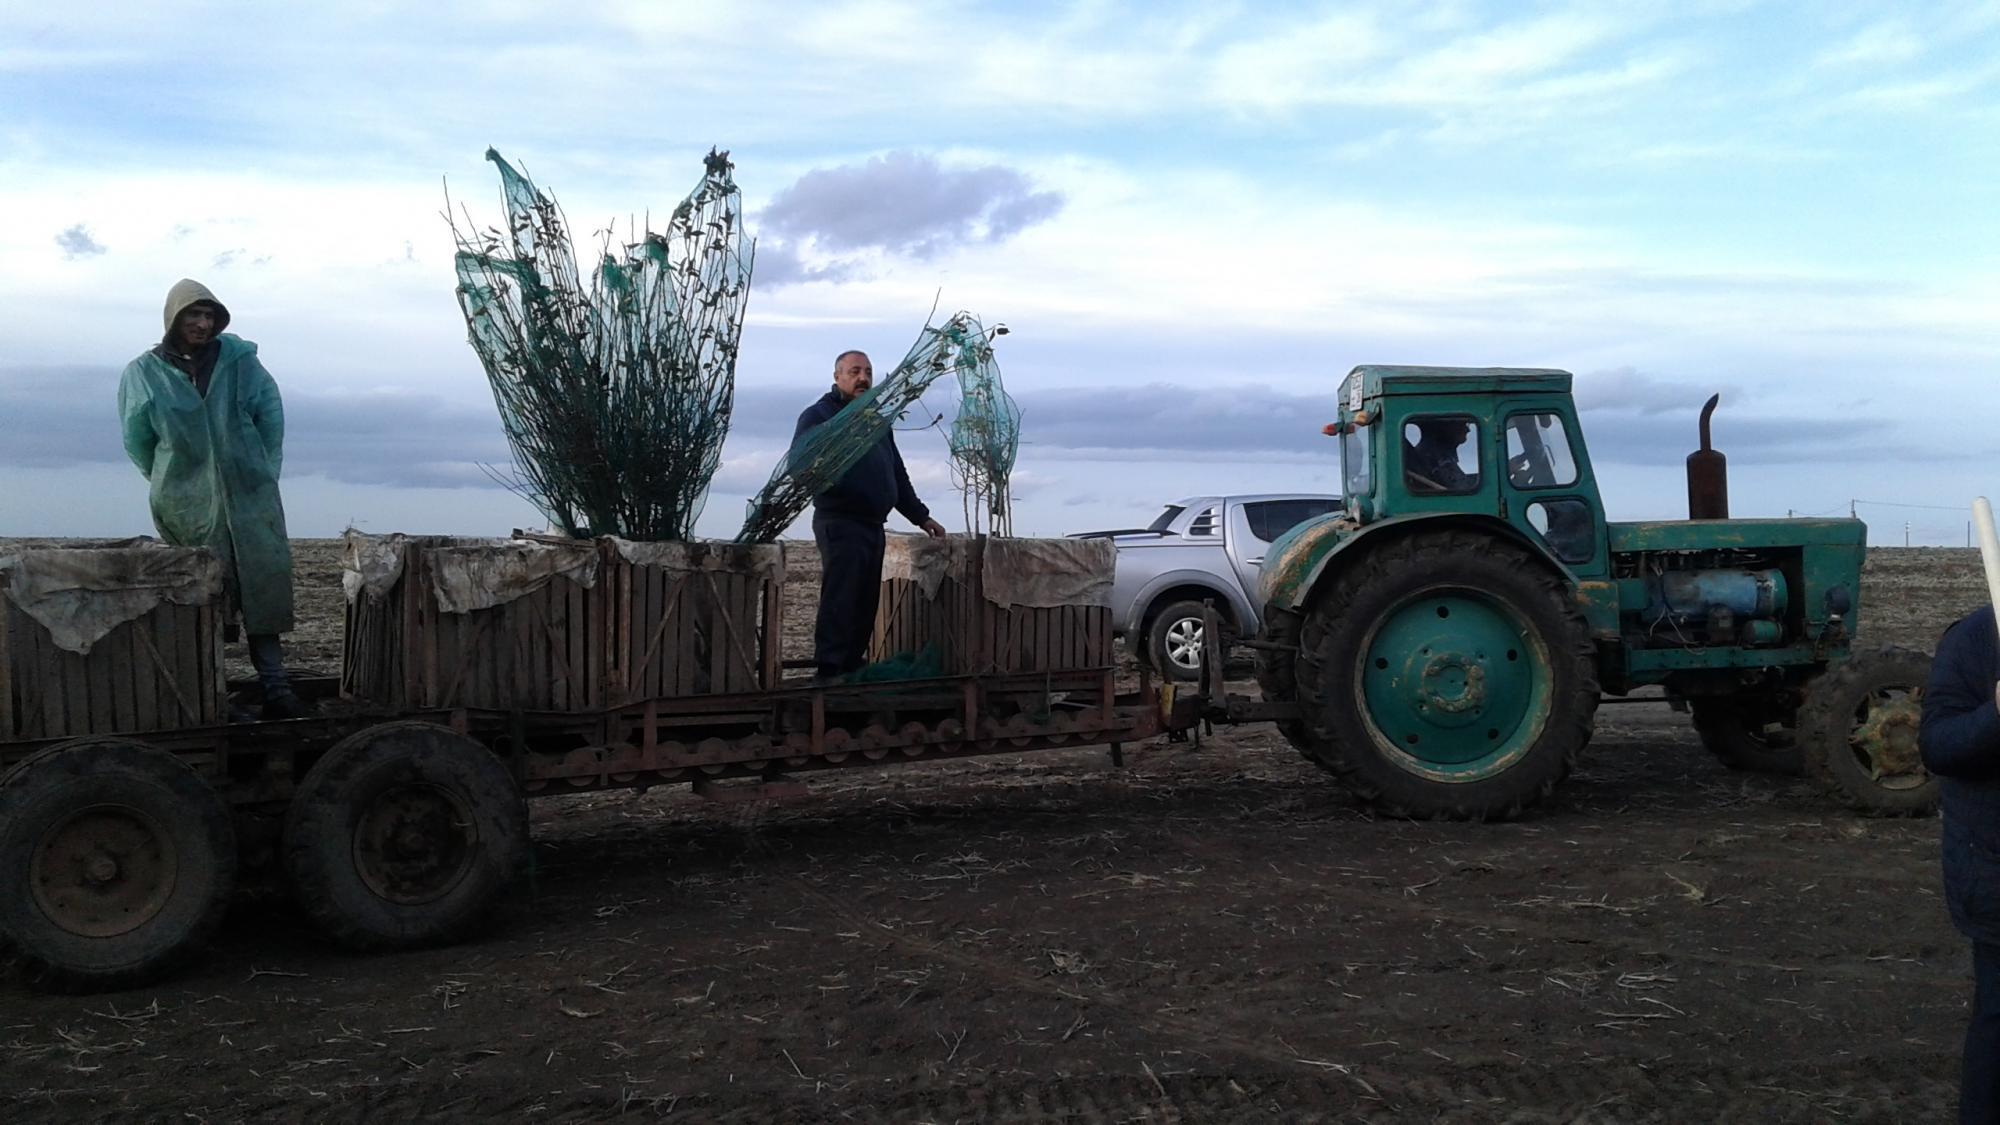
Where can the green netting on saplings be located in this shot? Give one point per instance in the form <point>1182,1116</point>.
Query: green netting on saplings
<point>614,392</point>
<point>984,439</point>
<point>824,453</point>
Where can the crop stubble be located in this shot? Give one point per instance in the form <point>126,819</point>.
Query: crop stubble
<point>1207,934</point>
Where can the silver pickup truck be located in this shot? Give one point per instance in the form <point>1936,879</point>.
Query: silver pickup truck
<point>1202,548</point>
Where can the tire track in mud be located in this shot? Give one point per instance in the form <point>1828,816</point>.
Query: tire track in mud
<point>1306,1088</point>
<point>1200,1035</point>
<point>1658,946</point>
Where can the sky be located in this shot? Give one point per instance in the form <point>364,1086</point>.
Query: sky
<point>1193,218</point>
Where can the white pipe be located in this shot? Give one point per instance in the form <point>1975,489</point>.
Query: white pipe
<point>1989,547</point>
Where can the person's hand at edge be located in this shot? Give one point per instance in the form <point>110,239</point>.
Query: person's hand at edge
<point>935,530</point>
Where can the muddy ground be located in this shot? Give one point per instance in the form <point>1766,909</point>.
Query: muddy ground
<point>1208,934</point>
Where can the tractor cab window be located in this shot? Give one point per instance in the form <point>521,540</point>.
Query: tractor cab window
<point>1441,454</point>
<point>1538,454</point>
<point>1354,469</point>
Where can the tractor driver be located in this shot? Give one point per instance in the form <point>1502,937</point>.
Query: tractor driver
<point>1430,464</point>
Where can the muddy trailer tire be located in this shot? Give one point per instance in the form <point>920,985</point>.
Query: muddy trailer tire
<point>1736,733</point>
<point>1858,733</point>
<point>402,836</point>
<point>1447,675</point>
<point>117,862</point>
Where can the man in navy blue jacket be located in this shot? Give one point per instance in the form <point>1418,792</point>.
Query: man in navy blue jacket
<point>1961,744</point>
<point>847,525</point>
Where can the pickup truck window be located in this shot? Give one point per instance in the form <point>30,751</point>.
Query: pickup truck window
<point>1165,519</point>
<point>1269,519</point>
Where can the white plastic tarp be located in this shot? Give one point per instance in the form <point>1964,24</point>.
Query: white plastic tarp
<point>1027,572</point>
<point>80,594</point>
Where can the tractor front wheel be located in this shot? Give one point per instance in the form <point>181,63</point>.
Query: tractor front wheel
<point>1858,732</point>
<point>1447,675</point>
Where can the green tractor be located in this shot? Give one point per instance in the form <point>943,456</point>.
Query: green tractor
<point>1443,645</point>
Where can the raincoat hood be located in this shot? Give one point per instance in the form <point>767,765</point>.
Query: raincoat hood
<point>188,291</point>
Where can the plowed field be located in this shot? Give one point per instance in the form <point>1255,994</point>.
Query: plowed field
<point>1211,933</point>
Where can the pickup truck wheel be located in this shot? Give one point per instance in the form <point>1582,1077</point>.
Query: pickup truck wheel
<point>1858,733</point>
<point>1173,641</point>
<point>1447,675</point>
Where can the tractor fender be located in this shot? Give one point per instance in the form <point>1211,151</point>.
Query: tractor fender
<point>1295,567</point>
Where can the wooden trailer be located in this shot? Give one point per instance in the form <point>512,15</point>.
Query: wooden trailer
<point>113,637</point>
<point>984,605</point>
<point>403,807</point>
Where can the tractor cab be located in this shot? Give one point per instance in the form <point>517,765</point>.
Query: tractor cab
<point>1496,442</point>
<point>1481,444</point>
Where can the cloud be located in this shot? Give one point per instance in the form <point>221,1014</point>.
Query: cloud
<point>779,264</point>
<point>904,203</point>
<point>1883,44</point>
<point>77,243</point>
<point>68,416</point>
<point>1631,390</point>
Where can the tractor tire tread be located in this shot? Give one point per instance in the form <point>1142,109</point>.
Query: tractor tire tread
<point>1824,726</point>
<point>187,793</point>
<point>1390,565</point>
<point>317,821</point>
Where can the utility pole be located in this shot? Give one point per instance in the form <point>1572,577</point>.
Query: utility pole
<point>1906,533</point>
<point>1850,509</point>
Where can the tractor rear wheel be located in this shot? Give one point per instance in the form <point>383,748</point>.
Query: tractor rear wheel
<point>1858,733</point>
<point>1447,675</point>
<point>116,863</point>
<point>1277,676</point>
<point>1746,735</point>
<point>402,835</point>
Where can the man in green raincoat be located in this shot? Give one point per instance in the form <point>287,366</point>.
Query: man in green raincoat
<point>203,422</point>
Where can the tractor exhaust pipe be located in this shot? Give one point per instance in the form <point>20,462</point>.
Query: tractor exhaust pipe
<point>1708,475</point>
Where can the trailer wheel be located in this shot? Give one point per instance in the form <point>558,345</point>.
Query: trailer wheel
<point>1744,736</point>
<point>1858,733</point>
<point>116,864</point>
<point>402,835</point>
<point>1449,675</point>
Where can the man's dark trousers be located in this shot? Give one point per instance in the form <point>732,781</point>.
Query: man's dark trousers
<point>850,583</point>
<point>1979,1083</point>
